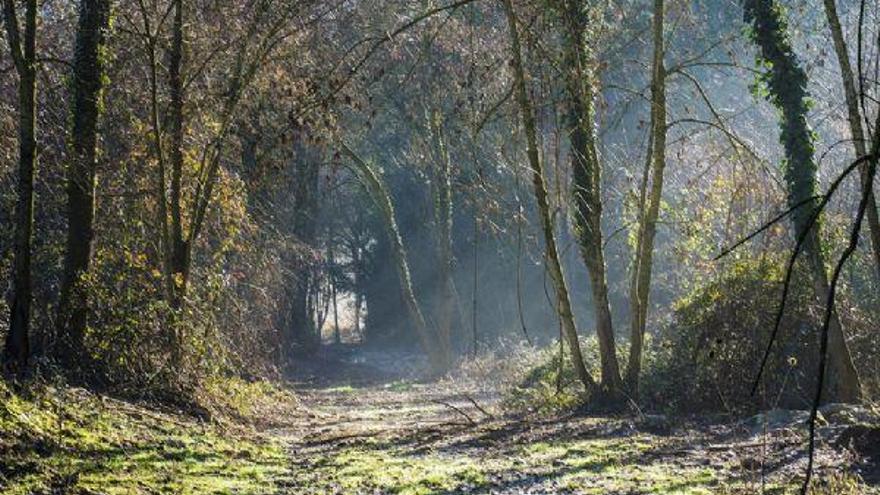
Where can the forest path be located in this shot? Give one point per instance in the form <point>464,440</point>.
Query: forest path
<point>368,431</point>
<point>362,424</point>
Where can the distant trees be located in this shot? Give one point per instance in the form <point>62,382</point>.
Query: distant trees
<point>22,47</point>
<point>432,342</point>
<point>303,332</point>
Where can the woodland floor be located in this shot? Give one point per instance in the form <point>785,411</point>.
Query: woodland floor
<point>363,427</point>
<point>370,434</point>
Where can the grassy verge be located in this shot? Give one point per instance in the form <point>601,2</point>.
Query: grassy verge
<point>57,440</point>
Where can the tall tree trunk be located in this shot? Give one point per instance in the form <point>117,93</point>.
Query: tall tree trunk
<point>787,84</point>
<point>158,151</point>
<point>855,121</point>
<point>586,179</point>
<point>179,256</point>
<point>86,85</point>
<point>441,186</point>
<point>358,302</point>
<point>554,266</point>
<point>357,264</point>
<point>641,276</point>
<point>17,346</point>
<point>439,359</point>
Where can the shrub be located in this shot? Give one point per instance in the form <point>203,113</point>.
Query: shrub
<point>708,357</point>
<point>542,386</point>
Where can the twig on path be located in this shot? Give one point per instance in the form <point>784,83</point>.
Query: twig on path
<point>479,408</point>
<point>344,437</point>
<point>456,409</point>
<point>725,446</point>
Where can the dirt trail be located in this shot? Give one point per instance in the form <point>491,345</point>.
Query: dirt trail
<point>369,429</point>
<point>359,394</point>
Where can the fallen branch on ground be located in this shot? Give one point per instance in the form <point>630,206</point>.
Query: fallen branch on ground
<point>477,406</point>
<point>456,409</point>
<point>725,446</point>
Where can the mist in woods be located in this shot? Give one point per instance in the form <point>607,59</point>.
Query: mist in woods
<point>461,246</point>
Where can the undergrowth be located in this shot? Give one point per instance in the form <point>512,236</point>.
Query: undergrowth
<point>538,384</point>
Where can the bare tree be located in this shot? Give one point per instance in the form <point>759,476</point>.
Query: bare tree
<point>854,115</point>
<point>441,187</point>
<point>649,205</point>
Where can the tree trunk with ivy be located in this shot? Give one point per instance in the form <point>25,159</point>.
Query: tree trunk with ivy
<point>86,84</point>
<point>786,82</point>
<point>587,178</point>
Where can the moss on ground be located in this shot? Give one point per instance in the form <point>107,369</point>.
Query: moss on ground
<point>73,442</point>
<point>620,465</point>
<point>371,470</point>
<point>595,466</point>
<point>69,441</point>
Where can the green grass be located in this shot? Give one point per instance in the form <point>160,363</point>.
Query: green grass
<point>342,389</point>
<point>611,465</point>
<point>60,441</point>
<point>367,469</point>
<point>594,466</point>
<point>73,442</point>
<point>407,475</point>
<point>401,386</point>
